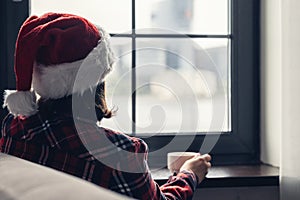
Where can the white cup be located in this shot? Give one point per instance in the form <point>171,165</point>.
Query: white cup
<point>177,159</point>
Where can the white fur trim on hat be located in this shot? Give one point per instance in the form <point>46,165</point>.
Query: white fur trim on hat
<point>20,102</point>
<point>57,81</point>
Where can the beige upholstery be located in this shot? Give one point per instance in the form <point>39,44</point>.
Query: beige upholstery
<point>23,180</point>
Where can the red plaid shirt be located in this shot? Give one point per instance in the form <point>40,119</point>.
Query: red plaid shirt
<point>50,138</point>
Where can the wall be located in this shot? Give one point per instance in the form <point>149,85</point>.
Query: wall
<point>290,162</point>
<point>270,81</point>
<point>280,49</point>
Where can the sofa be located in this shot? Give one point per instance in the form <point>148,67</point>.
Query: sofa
<point>23,180</point>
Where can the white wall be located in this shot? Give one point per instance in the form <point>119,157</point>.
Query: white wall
<point>280,81</point>
<point>270,81</point>
<point>290,155</point>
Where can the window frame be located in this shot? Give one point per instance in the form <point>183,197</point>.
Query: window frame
<point>13,14</point>
<point>241,144</point>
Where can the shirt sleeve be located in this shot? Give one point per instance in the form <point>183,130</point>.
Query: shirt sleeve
<point>180,186</point>
<point>142,186</point>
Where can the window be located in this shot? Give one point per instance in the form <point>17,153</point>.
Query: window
<point>157,42</point>
<point>186,70</point>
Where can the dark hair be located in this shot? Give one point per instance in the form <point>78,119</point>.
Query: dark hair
<point>101,108</point>
<point>82,102</point>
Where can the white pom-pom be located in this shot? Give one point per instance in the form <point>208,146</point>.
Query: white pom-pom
<point>20,102</point>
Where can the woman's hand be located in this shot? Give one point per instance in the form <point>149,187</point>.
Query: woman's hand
<point>199,164</point>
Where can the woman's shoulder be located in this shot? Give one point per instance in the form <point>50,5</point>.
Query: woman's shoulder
<point>125,141</point>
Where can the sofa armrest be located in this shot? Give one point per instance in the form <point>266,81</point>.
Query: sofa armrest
<point>21,179</point>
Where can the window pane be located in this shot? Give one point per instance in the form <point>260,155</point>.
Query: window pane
<point>182,85</point>
<point>101,12</point>
<point>185,16</point>
<point>118,87</point>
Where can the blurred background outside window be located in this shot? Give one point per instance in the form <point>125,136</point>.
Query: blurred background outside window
<point>181,61</point>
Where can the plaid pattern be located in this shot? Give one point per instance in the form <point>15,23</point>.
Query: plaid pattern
<point>51,139</point>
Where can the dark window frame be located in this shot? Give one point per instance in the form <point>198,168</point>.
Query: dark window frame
<point>13,14</point>
<point>241,145</point>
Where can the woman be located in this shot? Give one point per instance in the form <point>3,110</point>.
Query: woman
<point>59,131</point>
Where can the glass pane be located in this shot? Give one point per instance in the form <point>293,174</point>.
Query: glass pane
<point>185,16</point>
<point>104,13</point>
<point>182,85</point>
<point>118,87</point>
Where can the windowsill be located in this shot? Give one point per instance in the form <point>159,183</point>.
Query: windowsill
<point>231,176</point>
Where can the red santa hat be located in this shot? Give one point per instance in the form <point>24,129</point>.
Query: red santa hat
<point>50,50</point>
